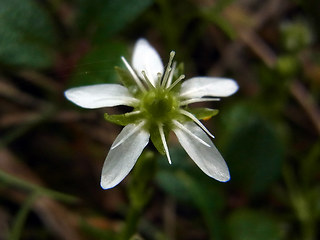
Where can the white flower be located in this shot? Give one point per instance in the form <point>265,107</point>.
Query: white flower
<point>160,101</point>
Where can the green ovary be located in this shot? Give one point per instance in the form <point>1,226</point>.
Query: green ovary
<point>159,106</point>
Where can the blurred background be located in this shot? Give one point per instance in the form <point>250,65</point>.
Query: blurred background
<point>52,152</point>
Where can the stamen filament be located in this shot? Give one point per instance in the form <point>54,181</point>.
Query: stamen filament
<point>186,130</point>
<point>134,75</point>
<point>133,131</point>
<point>132,113</point>
<point>168,69</point>
<point>147,80</point>
<point>196,120</point>
<point>177,81</point>
<point>169,82</point>
<point>195,100</point>
<point>158,83</point>
<point>163,139</point>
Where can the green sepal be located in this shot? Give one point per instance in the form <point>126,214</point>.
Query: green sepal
<point>127,80</point>
<point>122,119</point>
<point>156,138</point>
<point>203,113</point>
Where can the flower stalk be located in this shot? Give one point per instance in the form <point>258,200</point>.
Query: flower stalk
<point>140,193</point>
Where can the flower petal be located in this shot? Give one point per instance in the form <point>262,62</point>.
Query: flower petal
<point>146,58</point>
<point>120,160</point>
<point>208,159</point>
<point>208,86</point>
<point>100,95</point>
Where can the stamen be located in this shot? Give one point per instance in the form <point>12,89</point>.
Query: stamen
<point>168,69</point>
<point>132,113</point>
<point>195,100</point>
<point>169,82</point>
<point>134,130</point>
<point>163,139</point>
<point>150,85</point>
<point>134,75</point>
<point>159,75</point>
<point>196,120</point>
<point>177,81</point>
<point>186,130</point>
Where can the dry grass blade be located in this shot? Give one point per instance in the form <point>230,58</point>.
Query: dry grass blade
<point>62,222</point>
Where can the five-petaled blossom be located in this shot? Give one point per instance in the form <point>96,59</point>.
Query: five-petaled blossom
<point>160,102</point>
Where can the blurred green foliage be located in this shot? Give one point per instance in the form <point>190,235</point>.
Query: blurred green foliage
<point>89,70</point>
<point>250,225</point>
<point>101,19</point>
<point>256,162</point>
<point>27,35</point>
<point>268,132</point>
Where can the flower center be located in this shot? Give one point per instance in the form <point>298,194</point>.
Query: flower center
<point>159,105</point>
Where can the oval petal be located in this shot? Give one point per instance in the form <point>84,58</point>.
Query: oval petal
<point>198,87</point>
<point>208,159</point>
<point>146,58</point>
<point>121,159</point>
<point>100,95</point>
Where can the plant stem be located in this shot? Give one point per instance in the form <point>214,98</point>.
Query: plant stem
<point>139,193</point>
<point>301,205</point>
<point>132,221</point>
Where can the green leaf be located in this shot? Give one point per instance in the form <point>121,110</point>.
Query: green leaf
<point>254,154</point>
<point>27,35</point>
<point>122,119</point>
<point>104,18</point>
<point>97,66</point>
<point>250,225</point>
<point>203,113</point>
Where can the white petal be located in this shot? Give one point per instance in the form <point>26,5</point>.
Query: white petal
<point>128,134</point>
<point>100,95</point>
<point>208,159</point>
<point>146,58</point>
<point>186,130</point>
<point>120,160</point>
<point>197,121</point>
<point>208,86</point>
<point>196,100</point>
